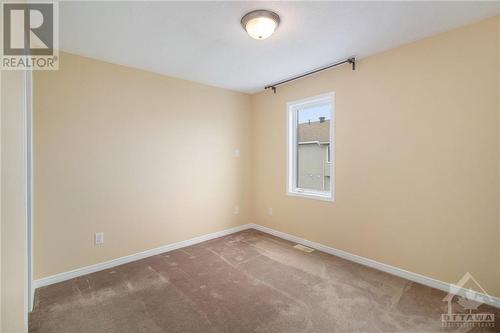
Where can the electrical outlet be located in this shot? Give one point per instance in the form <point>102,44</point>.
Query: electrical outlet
<point>270,211</point>
<point>99,238</point>
<point>237,152</point>
<point>236,210</point>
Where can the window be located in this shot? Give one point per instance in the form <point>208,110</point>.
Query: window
<point>311,155</point>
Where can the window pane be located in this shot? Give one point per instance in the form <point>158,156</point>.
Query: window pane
<point>313,147</point>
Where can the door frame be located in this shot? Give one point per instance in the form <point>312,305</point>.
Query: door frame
<point>28,108</point>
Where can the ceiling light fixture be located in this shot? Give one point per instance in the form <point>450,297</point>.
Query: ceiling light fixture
<point>260,24</point>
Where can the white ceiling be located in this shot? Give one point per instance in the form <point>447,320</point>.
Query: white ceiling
<point>204,42</point>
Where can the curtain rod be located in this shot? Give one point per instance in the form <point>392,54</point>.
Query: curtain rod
<point>351,61</point>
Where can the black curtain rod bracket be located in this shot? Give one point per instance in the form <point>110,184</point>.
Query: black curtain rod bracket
<point>351,61</point>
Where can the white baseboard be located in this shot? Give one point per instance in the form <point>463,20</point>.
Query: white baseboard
<point>133,257</point>
<point>427,281</point>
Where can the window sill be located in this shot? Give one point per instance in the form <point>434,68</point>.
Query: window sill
<point>312,195</point>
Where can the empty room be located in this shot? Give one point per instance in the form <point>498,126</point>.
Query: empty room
<point>241,166</point>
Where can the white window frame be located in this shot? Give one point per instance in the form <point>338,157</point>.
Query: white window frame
<point>291,110</point>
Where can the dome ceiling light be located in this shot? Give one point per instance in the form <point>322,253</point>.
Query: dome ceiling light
<point>260,24</point>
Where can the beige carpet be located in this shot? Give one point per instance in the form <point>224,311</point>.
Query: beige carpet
<point>245,282</point>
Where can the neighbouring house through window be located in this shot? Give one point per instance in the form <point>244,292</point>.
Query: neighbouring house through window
<point>310,147</point>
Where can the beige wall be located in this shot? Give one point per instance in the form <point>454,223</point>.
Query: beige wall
<point>13,203</point>
<point>417,158</point>
<point>144,158</point>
